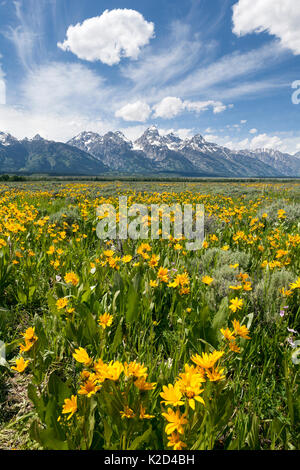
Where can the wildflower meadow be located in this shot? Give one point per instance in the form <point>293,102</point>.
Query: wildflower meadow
<point>143,344</point>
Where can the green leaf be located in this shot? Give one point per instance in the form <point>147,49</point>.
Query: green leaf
<point>117,338</point>
<point>137,443</point>
<point>133,298</point>
<point>47,438</point>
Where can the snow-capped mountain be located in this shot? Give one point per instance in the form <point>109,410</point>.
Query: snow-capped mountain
<point>7,139</point>
<point>283,162</point>
<point>39,155</point>
<point>199,156</point>
<point>170,154</point>
<point>90,153</point>
<point>114,150</point>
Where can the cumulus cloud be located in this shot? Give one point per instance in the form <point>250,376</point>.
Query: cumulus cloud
<point>171,106</point>
<point>253,131</point>
<point>138,111</point>
<point>266,141</point>
<point>280,18</point>
<point>284,142</point>
<point>107,38</point>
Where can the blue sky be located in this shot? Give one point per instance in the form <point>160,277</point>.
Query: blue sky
<point>222,68</point>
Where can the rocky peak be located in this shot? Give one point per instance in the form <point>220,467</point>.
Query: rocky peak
<point>7,139</point>
<point>37,137</point>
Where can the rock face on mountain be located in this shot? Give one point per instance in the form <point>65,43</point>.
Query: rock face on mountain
<point>152,154</point>
<point>114,151</point>
<point>38,155</point>
<point>283,162</point>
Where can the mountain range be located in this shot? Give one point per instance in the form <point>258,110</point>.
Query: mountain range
<point>152,154</point>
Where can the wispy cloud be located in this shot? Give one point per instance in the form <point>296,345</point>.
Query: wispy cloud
<point>176,57</point>
<point>57,86</point>
<point>27,33</point>
<point>225,70</point>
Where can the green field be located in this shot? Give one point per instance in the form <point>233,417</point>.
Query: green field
<point>143,344</point>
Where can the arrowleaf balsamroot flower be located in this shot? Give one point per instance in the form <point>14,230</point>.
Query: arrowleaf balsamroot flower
<point>142,385</point>
<point>215,374</point>
<point>20,365</point>
<point>176,421</point>
<point>105,320</point>
<point>207,361</point>
<point>71,278</point>
<point>144,415</point>
<point>113,370</point>
<point>30,338</point>
<point>229,335</point>
<point>29,334</point>
<point>175,442</point>
<point>240,330</point>
<point>236,304</point>
<point>163,274</point>
<point>70,406</point>
<point>207,280</point>
<point>62,303</point>
<point>172,395</point>
<point>295,285</point>
<point>135,369</point>
<point>190,385</point>
<point>89,388</point>
<point>127,413</point>
<point>82,356</point>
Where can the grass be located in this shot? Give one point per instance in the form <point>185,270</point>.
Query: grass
<point>158,323</point>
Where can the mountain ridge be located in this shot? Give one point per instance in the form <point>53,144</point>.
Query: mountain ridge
<point>90,153</point>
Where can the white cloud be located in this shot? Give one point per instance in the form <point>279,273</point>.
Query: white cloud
<point>253,131</point>
<point>219,108</point>
<point>243,121</point>
<point>210,138</point>
<point>63,86</point>
<point>182,133</point>
<point>224,71</point>
<point>115,34</point>
<point>284,142</point>
<point>137,111</point>
<point>55,101</point>
<point>171,106</point>
<point>176,56</point>
<point>53,126</point>
<point>28,30</point>
<point>266,141</point>
<point>280,18</point>
<point>199,106</point>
